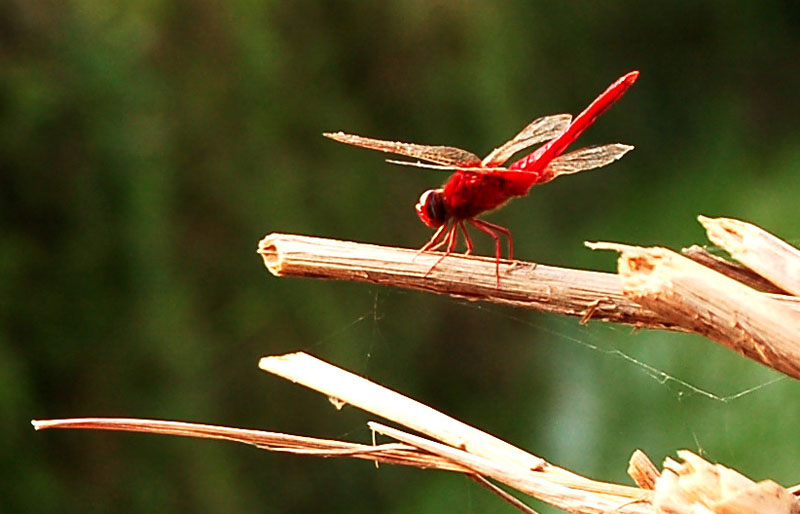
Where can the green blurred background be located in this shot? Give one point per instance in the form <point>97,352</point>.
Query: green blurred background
<point>146,147</point>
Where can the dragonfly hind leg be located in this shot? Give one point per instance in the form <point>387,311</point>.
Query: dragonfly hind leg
<point>434,244</point>
<point>491,229</point>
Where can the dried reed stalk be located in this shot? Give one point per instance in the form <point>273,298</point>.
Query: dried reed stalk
<point>732,270</point>
<point>585,294</point>
<point>689,488</point>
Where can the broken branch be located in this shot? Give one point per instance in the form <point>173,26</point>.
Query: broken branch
<point>573,292</point>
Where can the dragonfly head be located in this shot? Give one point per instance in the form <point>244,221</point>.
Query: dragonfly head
<point>431,208</point>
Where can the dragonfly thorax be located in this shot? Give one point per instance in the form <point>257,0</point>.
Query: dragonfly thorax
<point>431,208</point>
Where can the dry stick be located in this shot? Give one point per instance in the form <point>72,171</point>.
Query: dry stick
<point>708,303</point>
<point>346,387</point>
<point>360,392</point>
<point>569,499</point>
<point>642,470</point>
<point>757,249</point>
<point>720,487</point>
<point>731,269</point>
<point>549,484</point>
<point>585,294</point>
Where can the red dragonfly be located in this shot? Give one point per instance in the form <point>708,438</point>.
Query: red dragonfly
<point>480,185</point>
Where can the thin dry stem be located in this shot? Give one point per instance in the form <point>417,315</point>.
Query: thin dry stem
<point>352,389</point>
<point>513,500</point>
<point>392,453</point>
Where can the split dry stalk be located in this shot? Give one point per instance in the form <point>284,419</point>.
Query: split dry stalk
<point>732,270</point>
<point>689,488</point>
<point>757,249</point>
<point>712,305</point>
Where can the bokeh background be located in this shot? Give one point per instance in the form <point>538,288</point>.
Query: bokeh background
<point>146,147</point>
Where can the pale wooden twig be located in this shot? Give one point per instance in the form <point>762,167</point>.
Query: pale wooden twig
<point>352,389</point>
<point>642,470</point>
<point>701,300</point>
<point>468,450</point>
<point>757,249</point>
<point>732,270</point>
<point>572,499</point>
<point>581,293</point>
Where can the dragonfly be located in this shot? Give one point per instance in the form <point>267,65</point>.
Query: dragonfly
<point>477,185</point>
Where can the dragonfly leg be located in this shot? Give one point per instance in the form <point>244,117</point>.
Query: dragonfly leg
<point>467,239</point>
<point>492,229</point>
<point>434,244</point>
<point>452,239</point>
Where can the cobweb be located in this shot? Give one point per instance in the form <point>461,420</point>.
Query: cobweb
<point>713,422</point>
<point>567,330</point>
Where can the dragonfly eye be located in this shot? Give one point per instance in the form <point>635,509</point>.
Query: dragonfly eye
<point>431,209</point>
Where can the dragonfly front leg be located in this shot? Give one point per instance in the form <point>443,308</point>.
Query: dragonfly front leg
<point>452,239</point>
<point>434,244</point>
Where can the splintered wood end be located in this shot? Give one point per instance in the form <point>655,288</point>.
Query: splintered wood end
<point>642,470</point>
<point>268,251</point>
<point>696,485</point>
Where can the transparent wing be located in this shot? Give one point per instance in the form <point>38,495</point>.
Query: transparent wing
<point>444,155</point>
<point>477,168</point>
<point>428,166</point>
<point>588,158</point>
<point>538,131</point>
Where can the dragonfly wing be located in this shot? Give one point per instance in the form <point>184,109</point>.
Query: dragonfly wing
<point>588,158</point>
<point>440,167</point>
<point>538,131</point>
<point>444,155</point>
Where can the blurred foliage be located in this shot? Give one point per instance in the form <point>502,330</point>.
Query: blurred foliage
<point>147,146</point>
